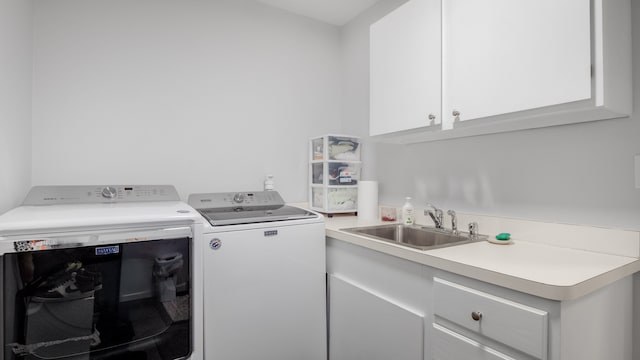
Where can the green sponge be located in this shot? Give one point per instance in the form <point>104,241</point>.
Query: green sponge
<point>503,236</point>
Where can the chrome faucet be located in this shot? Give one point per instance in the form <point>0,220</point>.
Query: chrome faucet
<point>454,222</point>
<point>436,215</point>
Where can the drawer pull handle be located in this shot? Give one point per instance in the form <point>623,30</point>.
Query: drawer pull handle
<point>476,315</point>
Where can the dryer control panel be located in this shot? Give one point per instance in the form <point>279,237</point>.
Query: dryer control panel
<point>88,194</point>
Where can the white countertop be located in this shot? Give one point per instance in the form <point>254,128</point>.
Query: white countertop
<point>537,268</point>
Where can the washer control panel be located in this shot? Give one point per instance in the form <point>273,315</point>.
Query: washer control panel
<point>236,200</point>
<point>87,194</point>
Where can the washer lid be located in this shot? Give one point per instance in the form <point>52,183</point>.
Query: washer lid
<point>55,209</point>
<point>221,217</point>
<point>245,208</point>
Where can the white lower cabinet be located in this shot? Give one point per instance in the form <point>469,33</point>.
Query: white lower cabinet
<point>367,326</point>
<point>377,307</point>
<point>386,307</point>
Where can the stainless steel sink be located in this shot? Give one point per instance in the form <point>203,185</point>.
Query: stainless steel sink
<point>415,236</point>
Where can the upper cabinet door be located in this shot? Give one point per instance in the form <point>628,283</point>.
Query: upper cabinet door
<point>405,68</point>
<point>504,56</point>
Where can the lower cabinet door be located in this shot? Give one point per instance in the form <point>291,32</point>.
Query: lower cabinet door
<point>449,345</point>
<point>363,325</point>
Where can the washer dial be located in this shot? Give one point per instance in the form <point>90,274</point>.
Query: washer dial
<point>239,197</point>
<point>109,192</point>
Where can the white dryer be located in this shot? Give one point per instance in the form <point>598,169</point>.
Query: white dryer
<point>101,272</point>
<point>264,278</point>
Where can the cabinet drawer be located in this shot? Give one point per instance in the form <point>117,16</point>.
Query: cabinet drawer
<point>449,345</point>
<point>516,325</point>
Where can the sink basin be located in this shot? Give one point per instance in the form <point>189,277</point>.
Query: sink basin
<point>415,236</point>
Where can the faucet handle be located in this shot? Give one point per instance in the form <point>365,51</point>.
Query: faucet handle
<point>473,230</point>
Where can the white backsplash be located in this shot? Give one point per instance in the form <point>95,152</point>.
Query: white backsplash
<point>591,238</point>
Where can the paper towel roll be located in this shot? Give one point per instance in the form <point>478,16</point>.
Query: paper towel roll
<point>368,200</point>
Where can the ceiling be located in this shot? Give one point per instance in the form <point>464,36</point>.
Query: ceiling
<point>335,12</point>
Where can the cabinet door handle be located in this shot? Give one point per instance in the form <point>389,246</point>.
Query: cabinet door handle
<point>456,115</point>
<point>476,315</point>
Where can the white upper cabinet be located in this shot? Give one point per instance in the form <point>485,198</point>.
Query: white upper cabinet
<point>510,65</point>
<point>405,68</point>
<point>503,56</point>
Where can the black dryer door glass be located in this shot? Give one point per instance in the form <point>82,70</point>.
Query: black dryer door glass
<point>122,301</point>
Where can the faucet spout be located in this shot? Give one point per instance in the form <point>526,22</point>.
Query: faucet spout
<point>436,215</point>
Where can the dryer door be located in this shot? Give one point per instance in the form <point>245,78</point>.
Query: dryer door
<point>119,299</point>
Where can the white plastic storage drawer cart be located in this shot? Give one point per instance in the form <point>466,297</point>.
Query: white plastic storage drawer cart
<point>334,172</point>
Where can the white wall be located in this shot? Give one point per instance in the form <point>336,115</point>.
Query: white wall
<point>206,95</point>
<point>576,174</point>
<point>15,101</point>
<point>212,95</point>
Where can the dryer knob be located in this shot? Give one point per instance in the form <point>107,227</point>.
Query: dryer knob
<point>238,198</point>
<point>109,192</point>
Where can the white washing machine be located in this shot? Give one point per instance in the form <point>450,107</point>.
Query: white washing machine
<point>101,272</point>
<point>264,278</point>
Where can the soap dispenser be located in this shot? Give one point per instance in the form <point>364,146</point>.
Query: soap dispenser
<point>407,212</point>
<point>268,182</point>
